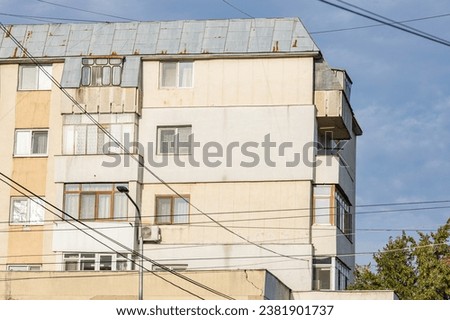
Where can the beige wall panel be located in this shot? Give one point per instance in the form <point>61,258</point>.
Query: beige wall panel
<point>235,82</point>
<point>25,244</point>
<point>32,173</point>
<point>32,109</point>
<point>250,209</point>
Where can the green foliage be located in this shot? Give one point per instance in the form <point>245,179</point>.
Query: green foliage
<point>416,269</point>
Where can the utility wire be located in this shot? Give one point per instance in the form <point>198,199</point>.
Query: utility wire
<point>379,24</point>
<point>84,10</point>
<point>237,9</point>
<point>112,240</point>
<point>393,21</point>
<point>393,25</point>
<point>46,19</point>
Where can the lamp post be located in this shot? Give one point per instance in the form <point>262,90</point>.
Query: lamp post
<point>123,189</point>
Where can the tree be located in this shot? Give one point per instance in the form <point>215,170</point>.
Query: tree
<point>414,269</point>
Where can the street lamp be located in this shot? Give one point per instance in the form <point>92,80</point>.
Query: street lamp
<point>123,189</point>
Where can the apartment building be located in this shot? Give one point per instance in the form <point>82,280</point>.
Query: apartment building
<point>239,149</point>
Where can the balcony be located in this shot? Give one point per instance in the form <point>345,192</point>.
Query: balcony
<point>334,113</point>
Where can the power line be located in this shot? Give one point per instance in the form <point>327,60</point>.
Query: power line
<point>237,9</point>
<point>46,19</point>
<point>84,10</point>
<point>393,25</point>
<point>112,240</point>
<point>380,24</point>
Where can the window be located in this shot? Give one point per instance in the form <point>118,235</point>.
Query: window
<point>343,215</point>
<point>172,267</point>
<point>31,77</point>
<point>31,143</point>
<point>25,211</point>
<point>322,273</point>
<point>343,274</point>
<point>95,201</point>
<point>95,262</point>
<point>24,267</point>
<point>322,199</point>
<point>101,72</point>
<point>172,210</point>
<point>177,74</point>
<point>81,136</point>
<point>174,140</point>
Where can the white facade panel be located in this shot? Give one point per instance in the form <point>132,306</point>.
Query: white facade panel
<point>67,238</point>
<point>232,143</point>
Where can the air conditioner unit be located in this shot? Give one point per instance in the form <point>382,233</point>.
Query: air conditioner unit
<point>151,233</point>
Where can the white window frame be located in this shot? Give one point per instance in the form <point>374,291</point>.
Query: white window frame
<point>82,137</point>
<point>176,148</point>
<point>177,77</point>
<point>29,204</point>
<point>96,259</point>
<point>24,267</point>
<point>41,81</point>
<point>29,143</point>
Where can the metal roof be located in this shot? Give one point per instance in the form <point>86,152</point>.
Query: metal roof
<point>236,36</point>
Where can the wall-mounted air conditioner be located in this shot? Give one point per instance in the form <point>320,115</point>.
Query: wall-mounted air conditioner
<point>151,233</point>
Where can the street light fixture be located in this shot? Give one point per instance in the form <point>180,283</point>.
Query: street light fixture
<point>124,190</point>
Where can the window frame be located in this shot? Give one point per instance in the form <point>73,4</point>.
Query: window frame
<point>96,260</point>
<point>97,194</point>
<point>10,267</point>
<point>177,75</point>
<point>29,202</point>
<point>172,202</point>
<point>176,141</point>
<point>30,153</point>
<point>92,64</point>
<point>38,86</point>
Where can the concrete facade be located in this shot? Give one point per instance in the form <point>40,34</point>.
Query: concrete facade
<point>265,185</point>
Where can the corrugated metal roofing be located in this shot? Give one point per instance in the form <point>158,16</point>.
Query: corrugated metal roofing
<point>166,37</point>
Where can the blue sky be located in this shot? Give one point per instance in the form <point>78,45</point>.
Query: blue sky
<point>400,95</point>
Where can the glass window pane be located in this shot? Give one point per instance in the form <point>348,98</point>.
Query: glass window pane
<point>96,76</point>
<point>322,190</point>
<point>185,74</point>
<point>23,143</point>
<point>115,61</point>
<point>44,82</point>
<point>28,78</point>
<point>19,212</point>
<point>87,211</point>
<point>121,265</point>
<point>68,139</point>
<point>167,140</point>
<point>96,187</point>
<point>106,262</point>
<point>106,78</point>
<point>120,206</point>
<point>116,76</point>
<point>39,142</point>
<point>87,265</point>
<point>104,206</point>
<point>163,210</point>
<point>168,74</point>
<point>85,76</point>
<point>80,139</point>
<point>87,61</point>
<point>36,211</point>
<point>322,211</point>
<point>71,203</point>
<point>71,266</point>
<point>183,143</point>
<point>180,211</point>
<point>91,141</point>
<point>101,61</point>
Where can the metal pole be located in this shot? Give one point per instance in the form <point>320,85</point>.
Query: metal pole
<point>124,190</point>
